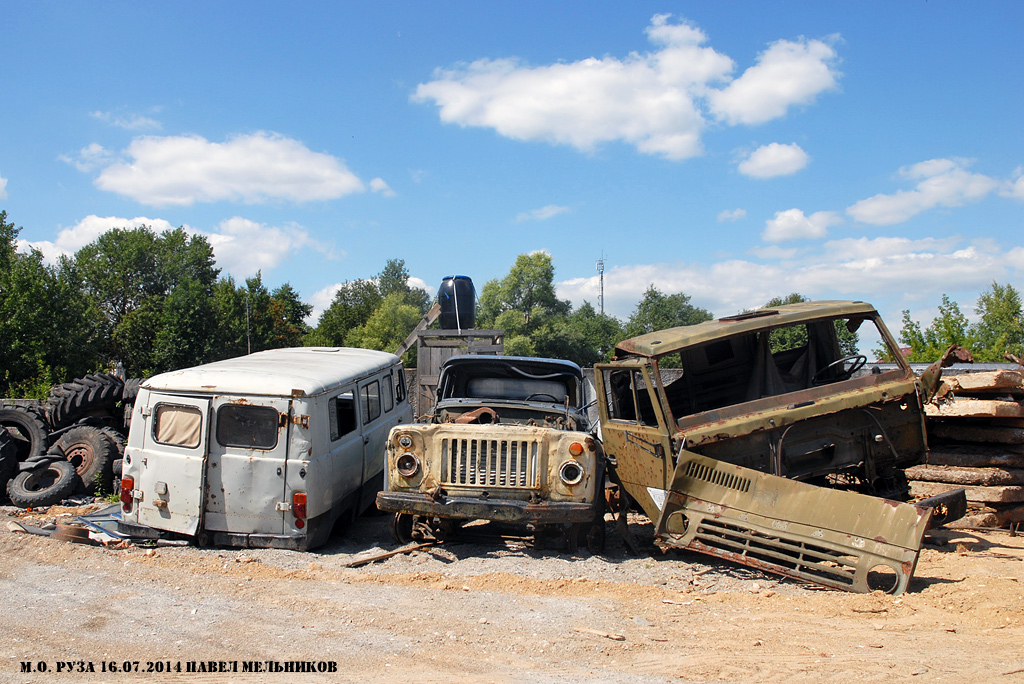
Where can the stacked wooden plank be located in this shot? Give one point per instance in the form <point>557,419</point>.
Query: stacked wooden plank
<point>976,435</point>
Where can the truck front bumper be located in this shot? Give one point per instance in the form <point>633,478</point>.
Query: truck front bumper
<point>475,508</point>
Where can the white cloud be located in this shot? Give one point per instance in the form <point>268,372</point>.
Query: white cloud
<point>884,271</point>
<point>653,100</point>
<point>379,186</point>
<point>130,122</point>
<point>733,215</point>
<point>942,183</point>
<point>89,158</point>
<point>542,214</point>
<point>788,73</point>
<point>183,170</point>
<point>1015,187</point>
<point>3,188</point>
<point>769,161</point>
<point>793,225</point>
<point>774,252</point>
<point>242,247</point>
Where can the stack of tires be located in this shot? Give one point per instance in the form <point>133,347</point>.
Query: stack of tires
<point>72,442</point>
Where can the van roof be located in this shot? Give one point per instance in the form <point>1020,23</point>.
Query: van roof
<point>295,371</point>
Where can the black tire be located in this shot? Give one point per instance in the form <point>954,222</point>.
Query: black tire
<point>46,486</point>
<point>97,393</point>
<point>131,389</point>
<point>400,527</point>
<point>92,452</point>
<point>8,458</point>
<point>118,469</point>
<point>30,434</point>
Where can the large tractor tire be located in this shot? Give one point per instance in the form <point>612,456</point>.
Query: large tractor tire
<point>8,458</point>
<point>92,451</point>
<point>91,395</point>
<point>27,428</point>
<point>45,486</point>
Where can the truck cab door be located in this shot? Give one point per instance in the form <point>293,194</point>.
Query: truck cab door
<point>634,432</point>
<point>174,451</point>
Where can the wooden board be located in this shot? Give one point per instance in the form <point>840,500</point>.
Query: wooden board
<point>969,407</point>
<point>1008,494</point>
<point>958,475</point>
<point>975,456</point>
<point>976,433</point>
<point>1000,518</point>
<point>1000,381</point>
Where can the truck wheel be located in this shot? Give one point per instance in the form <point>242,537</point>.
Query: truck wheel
<point>45,486</point>
<point>73,400</point>
<point>92,452</point>
<point>400,527</point>
<point>8,458</point>
<point>30,434</point>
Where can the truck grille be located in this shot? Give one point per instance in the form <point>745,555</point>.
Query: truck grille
<point>489,462</point>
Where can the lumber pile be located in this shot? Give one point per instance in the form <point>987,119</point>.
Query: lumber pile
<point>976,435</point>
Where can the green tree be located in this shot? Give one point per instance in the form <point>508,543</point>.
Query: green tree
<point>795,336</point>
<point>187,327</point>
<point>1000,326</point>
<point>47,330</point>
<point>949,327</point>
<point>130,275</point>
<point>658,311</point>
<point>584,337</point>
<point>528,288</point>
<point>388,326</point>
<point>353,304</point>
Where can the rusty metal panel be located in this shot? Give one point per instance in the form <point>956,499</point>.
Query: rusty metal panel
<point>490,462</point>
<point>835,538</point>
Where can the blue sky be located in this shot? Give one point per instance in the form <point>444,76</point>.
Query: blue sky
<point>734,151</point>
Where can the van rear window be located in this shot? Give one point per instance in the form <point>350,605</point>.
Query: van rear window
<point>177,425</point>
<point>250,427</point>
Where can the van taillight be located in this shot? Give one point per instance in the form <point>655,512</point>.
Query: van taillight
<point>299,509</point>
<point>127,485</point>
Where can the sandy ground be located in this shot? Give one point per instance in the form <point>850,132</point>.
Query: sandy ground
<point>498,611</point>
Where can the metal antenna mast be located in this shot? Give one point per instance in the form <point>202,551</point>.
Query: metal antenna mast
<point>600,271</point>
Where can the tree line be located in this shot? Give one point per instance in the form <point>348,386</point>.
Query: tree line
<point>997,334</point>
<point>154,302</point>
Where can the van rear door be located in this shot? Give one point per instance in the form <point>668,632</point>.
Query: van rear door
<point>245,473</point>
<point>173,457</point>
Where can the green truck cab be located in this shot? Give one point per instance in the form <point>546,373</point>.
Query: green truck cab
<point>757,437</point>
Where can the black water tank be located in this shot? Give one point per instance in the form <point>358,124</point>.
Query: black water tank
<point>458,303</point>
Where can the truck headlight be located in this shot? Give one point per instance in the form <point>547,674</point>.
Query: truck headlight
<point>407,465</point>
<point>405,441</point>
<point>571,473</point>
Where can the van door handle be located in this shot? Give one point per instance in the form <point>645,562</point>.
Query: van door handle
<point>366,440</point>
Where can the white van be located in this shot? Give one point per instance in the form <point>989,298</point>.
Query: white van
<point>267,450</point>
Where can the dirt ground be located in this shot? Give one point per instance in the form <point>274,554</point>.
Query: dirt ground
<point>497,611</point>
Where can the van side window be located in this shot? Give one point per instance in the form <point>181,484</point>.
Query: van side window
<point>400,388</point>
<point>388,393</point>
<point>342,414</point>
<point>371,402</point>
<point>178,425</point>
<point>250,427</point>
